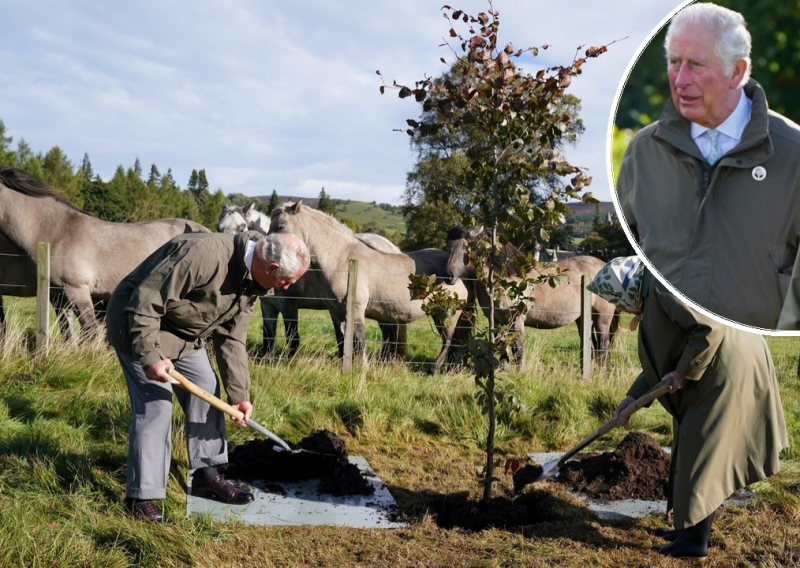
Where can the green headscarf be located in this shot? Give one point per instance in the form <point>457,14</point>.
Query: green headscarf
<point>620,282</point>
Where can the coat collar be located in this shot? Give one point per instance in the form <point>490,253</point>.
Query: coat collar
<point>754,148</point>
<point>248,285</point>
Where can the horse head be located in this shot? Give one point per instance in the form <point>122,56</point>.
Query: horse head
<point>232,220</point>
<point>281,216</point>
<point>458,239</point>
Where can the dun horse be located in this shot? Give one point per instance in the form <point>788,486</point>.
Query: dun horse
<point>88,256</point>
<point>382,289</point>
<point>550,307</point>
<point>304,294</point>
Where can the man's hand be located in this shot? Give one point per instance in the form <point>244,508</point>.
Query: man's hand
<point>622,405</point>
<point>246,408</point>
<point>159,371</point>
<point>678,380</point>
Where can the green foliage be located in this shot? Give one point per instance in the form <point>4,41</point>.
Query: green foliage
<point>775,55</point>
<point>495,130</point>
<point>326,204</point>
<point>606,240</point>
<point>274,201</point>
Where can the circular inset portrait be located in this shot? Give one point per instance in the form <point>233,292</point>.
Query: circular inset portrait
<point>705,159</point>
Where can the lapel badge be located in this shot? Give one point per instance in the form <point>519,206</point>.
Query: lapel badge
<point>759,173</point>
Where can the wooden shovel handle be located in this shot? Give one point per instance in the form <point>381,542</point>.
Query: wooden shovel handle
<point>662,388</point>
<point>214,401</point>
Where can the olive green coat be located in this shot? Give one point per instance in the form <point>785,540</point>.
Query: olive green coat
<point>725,239</point>
<point>195,287</point>
<point>729,415</point>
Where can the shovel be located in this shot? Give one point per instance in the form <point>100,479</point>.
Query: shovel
<point>282,446</point>
<point>550,469</point>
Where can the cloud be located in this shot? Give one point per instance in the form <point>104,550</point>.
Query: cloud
<point>275,95</point>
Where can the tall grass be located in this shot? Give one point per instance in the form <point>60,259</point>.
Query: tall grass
<point>64,420</point>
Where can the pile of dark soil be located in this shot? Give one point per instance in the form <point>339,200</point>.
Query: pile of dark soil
<point>257,460</point>
<point>637,469</point>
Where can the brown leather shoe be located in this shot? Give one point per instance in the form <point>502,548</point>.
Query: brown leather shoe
<point>144,509</point>
<point>221,489</point>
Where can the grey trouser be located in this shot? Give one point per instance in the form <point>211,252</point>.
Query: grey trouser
<point>150,431</point>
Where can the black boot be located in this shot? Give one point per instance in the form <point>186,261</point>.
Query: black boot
<point>691,542</point>
<point>667,534</point>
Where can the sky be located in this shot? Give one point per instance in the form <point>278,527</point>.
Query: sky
<point>279,95</point>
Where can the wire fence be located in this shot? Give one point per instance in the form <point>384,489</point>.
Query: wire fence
<point>315,327</point>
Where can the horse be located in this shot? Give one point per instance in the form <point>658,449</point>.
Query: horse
<point>305,293</point>
<point>550,307</point>
<point>88,256</point>
<point>382,289</point>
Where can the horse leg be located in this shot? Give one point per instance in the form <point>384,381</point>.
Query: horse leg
<point>269,323</point>
<point>389,343</point>
<point>2,318</point>
<point>82,303</point>
<point>447,335</point>
<point>63,310</point>
<point>519,343</point>
<point>338,331</point>
<point>600,339</point>
<point>291,325</point>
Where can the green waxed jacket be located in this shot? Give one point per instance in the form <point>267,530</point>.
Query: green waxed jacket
<point>725,239</point>
<point>193,288</point>
<point>731,426</point>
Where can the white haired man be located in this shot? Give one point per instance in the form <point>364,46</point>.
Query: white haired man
<point>196,287</point>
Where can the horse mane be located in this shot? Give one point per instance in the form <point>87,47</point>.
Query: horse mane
<point>506,263</point>
<point>322,217</point>
<point>27,184</point>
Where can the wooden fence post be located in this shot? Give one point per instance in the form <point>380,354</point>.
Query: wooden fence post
<point>586,329</point>
<point>42,298</point>
<point>349,324</point>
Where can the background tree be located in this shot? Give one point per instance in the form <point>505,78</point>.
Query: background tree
<point>57,170</point>
<point>442,161</point>
<point>6,153</point>
<point>509,125</point>
<point>326,204</point>
<point>274,201</point>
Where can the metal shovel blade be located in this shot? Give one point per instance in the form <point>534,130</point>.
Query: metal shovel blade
<point>550,469</point>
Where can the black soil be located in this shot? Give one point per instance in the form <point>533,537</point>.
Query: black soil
<point>257,460</point>
<point>637,469</point>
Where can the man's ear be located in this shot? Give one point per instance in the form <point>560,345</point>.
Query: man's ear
<point>738,72</point>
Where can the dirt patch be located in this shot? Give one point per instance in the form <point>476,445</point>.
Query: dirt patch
<point>257,460</point>
<point>502,511</point>
<point>637,469</point>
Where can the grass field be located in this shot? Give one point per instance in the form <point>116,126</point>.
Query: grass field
<point>63,445</point>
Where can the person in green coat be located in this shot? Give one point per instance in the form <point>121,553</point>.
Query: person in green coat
<point>725,400</point>
<point>196,288</point>
<point>711,191</point>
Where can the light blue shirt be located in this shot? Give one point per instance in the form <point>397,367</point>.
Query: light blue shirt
<point>730,131</point>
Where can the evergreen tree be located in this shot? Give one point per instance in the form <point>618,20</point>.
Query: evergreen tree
<point>137,168</point>
<point>57,170</point>
<point>6,153</point>
<point>274,201</point>
<point>154,177</point>
<point>86,168</point>
<point>326,204</point>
